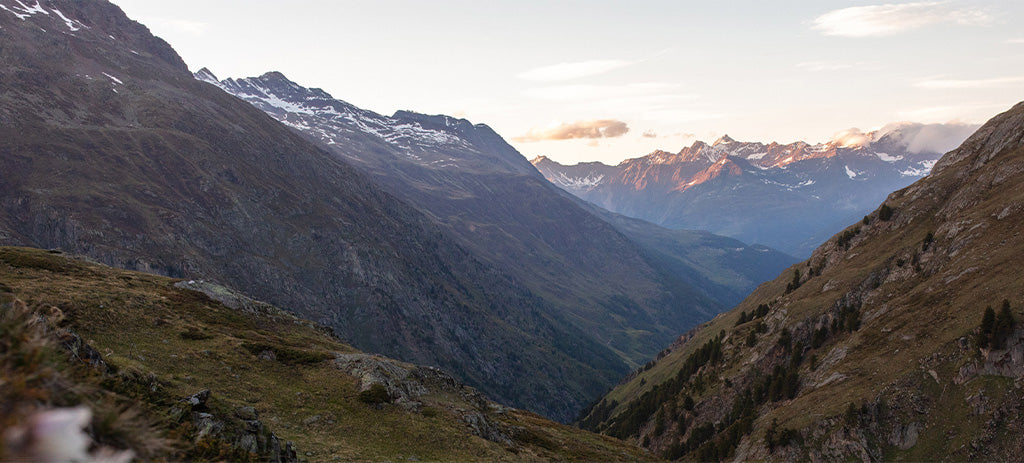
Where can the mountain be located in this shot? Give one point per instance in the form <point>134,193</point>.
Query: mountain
<point>790,197</point>
<point>618,285</point>
<point>184,370</point>
<point>898,340</point>
<point>111,149</point>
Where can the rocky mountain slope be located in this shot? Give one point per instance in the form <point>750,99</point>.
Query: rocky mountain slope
<point>621,285</point>
<point>898,340</point>
<point>112,149</point>
<point>791,197</point>
<point>161,369</point>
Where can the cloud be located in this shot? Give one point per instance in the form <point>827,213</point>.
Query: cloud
<point>851,137</point>
<point>603,128</point>
<point>932,138</point>
<point>891,19</point>
<point>650,134</point>
<point>570,71</point>
<point>914,137</point>
<point>1014,41</point>
<point>994,82</point>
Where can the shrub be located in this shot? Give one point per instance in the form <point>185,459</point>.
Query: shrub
<point>885,212</point>
<point>288,355</point>
<point>376,394</point>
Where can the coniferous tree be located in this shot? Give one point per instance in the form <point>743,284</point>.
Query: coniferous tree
<point>1003,326</point>
<point>988,323</point>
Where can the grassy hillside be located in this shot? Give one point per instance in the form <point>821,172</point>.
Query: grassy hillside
<point>873,349</point>
<point>154,341</point>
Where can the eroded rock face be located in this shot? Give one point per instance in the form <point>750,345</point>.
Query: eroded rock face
<point>407,385</point>
<point>243,429</point>
<point>1008,362</point>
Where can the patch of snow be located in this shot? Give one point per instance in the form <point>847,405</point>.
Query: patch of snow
<point>806,183</point>
<point>578,183</point>
<point>19,15</point>
<point>115,79</point>
<point>33,9</point>
<point>757,156</point>
<point>70,23</point>
<point>850,173</point>
<point>924,168</point>
<point>887,158</point>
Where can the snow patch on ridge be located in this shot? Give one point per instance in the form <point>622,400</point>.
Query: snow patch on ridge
<point>924,167</point>
<point>577,183</point>
<point>15,13</point>
<point>850,173</point>
<point>887,158</point>
<point>71,23</point>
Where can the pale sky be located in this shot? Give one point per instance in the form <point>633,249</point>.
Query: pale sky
<point>603,80</point>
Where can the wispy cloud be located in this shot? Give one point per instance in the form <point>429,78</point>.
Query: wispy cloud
<point>891,18</point>
<point>575,70</point>
<point>1017,41</point>
<point>994,82</point>
<point>602,128</point>
<point>650,134</point>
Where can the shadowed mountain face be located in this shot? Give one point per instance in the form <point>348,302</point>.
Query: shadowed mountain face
<point>622,284</point>
<point>899,339</point>
<point>110,148</point>
<point>791,197</point>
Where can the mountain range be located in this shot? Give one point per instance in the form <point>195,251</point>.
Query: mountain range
<point>423,280</point>
<point>113,150</point>
<point>791,197</point>
<point>899,339</point>
<point>604,274</point>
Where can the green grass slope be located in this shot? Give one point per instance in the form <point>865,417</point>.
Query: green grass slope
<point>873,349</point>
<point>154,341</point>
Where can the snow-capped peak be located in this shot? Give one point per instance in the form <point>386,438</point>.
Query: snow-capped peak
<point>308,108</point>
<point>724,140</point>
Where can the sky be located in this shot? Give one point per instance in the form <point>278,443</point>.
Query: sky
<point>603,80</point>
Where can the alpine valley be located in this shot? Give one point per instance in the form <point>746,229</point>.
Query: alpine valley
<point>475,264</point>
<point>250,269</point>
<point>791,197</point>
